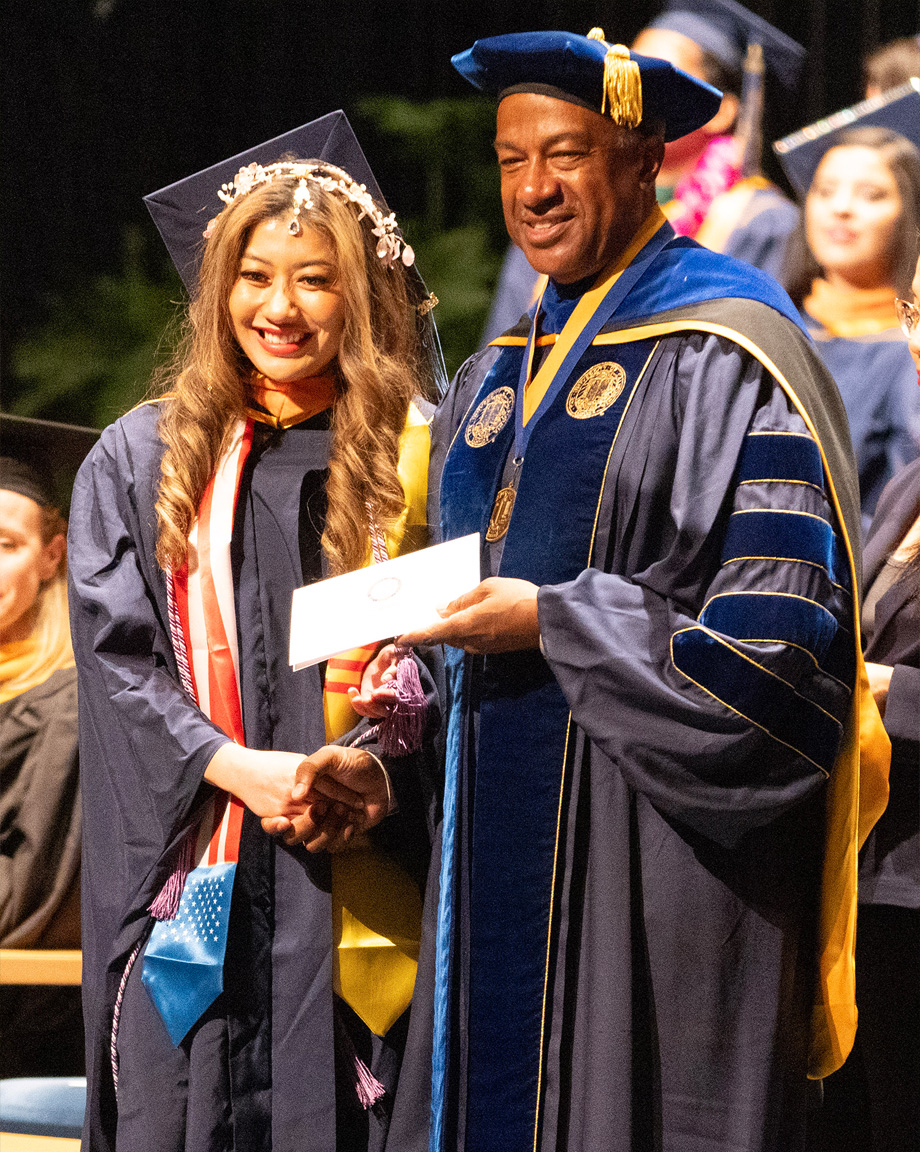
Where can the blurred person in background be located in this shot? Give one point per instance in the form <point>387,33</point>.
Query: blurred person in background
<point>891,64</point>
<point>40,820</point>
<point>873,1103</point>
<point>854,253</point>
<point>710,185</point>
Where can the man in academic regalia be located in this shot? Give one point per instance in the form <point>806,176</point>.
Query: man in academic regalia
<point>647,875</point>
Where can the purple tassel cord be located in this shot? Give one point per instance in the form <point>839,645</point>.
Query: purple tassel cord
<point>400,731</point>
<point>166,904</point>
<point>367,1087</point>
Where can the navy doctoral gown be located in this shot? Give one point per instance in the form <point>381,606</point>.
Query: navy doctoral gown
<point>261,1070</point>
<point>636,813</point>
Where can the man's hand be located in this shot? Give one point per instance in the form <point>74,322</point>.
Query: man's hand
<point>327,822</point>
<point>265,781</point>
<point>378,685</point>
<point>499,615</point>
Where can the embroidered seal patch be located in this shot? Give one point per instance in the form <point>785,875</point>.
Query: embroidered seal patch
<point>490,417</point>
<point>595,390</point>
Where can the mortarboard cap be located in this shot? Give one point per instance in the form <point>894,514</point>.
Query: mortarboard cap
<point>571,67</point>
<point>801,153</point>
<point>51,452</point>
<point>726,29</point>
<point>183,210</point>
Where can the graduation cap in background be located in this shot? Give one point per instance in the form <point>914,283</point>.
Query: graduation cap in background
<point>54,452</point>
<point>183,210</point>
<point>572,67</point>
<point>742,42</point>
<point>801,153</point>
<point>727,29</point>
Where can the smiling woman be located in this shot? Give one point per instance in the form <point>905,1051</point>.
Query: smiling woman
<point>851,257</point>
<point>287,440</point>
<point>287,307</point>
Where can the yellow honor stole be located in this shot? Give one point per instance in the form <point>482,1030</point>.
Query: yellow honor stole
<point>376,906</point>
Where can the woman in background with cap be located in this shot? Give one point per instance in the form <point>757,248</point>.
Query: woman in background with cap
<point>853,254</point>
<point>40,805</point>
<point>287,443</point>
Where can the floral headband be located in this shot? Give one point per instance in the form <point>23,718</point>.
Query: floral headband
<point>390,244</point>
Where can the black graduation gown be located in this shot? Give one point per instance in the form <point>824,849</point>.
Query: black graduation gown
<point>40,872</point>
<point>259,1070</point>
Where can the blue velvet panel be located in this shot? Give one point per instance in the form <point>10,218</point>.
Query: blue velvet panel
<point>780,535</point>
<point>686,273</point>
<point>516,771</point>
<point>771,616</point>
<point>781,456</point>
<point>756,694</point>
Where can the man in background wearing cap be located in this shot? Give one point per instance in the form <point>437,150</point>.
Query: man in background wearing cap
<point>710,182</point>
<point>649,690</point>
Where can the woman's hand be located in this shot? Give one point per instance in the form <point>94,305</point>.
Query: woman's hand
<point>265,781</point>
<point>378,685</point>
<point>325,781</point>
<point>879,682</point>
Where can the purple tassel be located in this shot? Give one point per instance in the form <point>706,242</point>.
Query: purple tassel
<point>166,904</point>
<point>368,1087</point>
<point>400,731</point>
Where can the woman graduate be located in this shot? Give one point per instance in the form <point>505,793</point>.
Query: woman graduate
<point>854,253</point>
<point>39,806</point>
<point>267,1010</point>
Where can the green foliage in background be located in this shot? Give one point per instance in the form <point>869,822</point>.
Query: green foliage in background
<point>454,220</point>
<point>93,357</point>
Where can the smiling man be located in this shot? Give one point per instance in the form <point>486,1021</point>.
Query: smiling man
<point>646,891</point>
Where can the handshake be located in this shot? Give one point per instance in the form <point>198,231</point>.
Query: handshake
<point>324,800</point>
<point>337,793</point>
<point>321,801</point>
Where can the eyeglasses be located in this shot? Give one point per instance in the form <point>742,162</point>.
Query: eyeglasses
<point>908,316</point>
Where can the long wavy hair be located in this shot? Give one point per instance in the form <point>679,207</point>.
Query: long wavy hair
<point>800,267</point>
<point>378,368</point>
<point>50,632</point>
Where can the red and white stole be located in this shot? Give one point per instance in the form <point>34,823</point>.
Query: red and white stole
<point>374,968</point>
<point>207,637</point>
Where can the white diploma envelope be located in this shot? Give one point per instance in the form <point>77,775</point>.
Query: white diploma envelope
<point>383,600</point>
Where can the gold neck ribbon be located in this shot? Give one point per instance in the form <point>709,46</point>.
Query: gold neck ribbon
<point>536,388</point>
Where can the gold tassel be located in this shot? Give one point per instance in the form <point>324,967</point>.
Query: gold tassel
<point>622,94</point>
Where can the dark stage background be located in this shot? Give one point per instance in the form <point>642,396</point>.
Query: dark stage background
<point>104,101</point>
